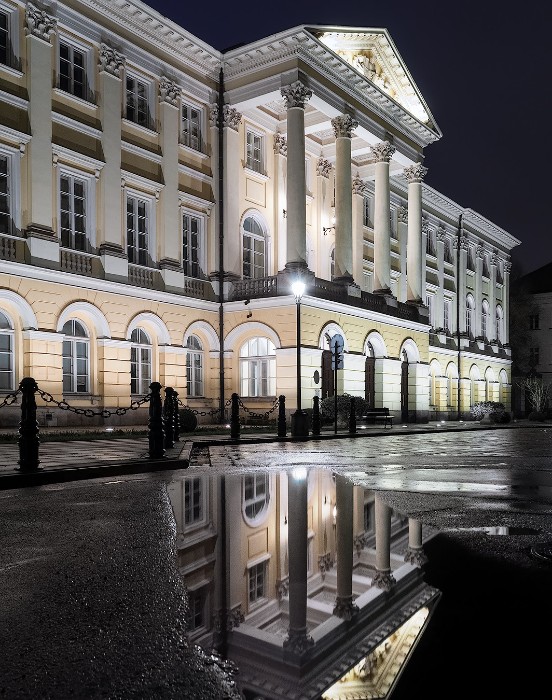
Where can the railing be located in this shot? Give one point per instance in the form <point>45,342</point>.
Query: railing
<point>75,262</point>
<point>198,289</point>
<point>8,249</point>
<point>254,288</point>
<point>141,276</point>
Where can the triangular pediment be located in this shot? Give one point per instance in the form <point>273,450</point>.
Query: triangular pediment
<point>373,54</point>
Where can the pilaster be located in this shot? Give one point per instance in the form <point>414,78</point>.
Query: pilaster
<point>358,189</point>
<point>415,258</point>
<point>231,120</point>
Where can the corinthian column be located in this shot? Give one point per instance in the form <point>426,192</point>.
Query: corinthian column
<point>344,606</point>
<point>382,152</point>
<point>343,130</point>
<point>415,269</point>
<point>415,553</point>
<point>295,96</point>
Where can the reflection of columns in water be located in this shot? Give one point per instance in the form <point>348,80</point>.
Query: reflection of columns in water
<point>297,641</point>
<point>344,606</point>
<point>383,577</point>
<point>415,552</point>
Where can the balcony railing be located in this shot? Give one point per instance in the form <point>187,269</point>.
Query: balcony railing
<point>76,262</point>
<point>8,250</point>
<point>141,276</point>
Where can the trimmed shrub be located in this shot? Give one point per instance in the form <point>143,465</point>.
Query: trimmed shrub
<point>327,407</point>
<point>493,409</point>
<point>188,420</point>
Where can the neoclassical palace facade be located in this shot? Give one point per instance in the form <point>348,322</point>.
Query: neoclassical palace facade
<point>158,198</point>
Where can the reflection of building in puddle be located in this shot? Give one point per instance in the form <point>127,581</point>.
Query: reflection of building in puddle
<point>297,578</point>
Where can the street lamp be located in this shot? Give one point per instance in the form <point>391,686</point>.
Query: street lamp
<point>299,419</point>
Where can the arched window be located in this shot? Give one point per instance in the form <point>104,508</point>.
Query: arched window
<point>76,358</point>
<point>6,354</point>
<point>469,315</point>
<point>451,377</point>
<point>140,362</point>
<point>258,368</point>
<point>254,249</point>
<point>499,320</point>
<point>485,320</point>
<point>256,496</point>
<point>194,366</point>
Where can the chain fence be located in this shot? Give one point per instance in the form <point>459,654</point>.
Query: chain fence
<point>90,412</point>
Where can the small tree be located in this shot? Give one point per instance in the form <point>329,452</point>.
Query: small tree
<point>538,394</point>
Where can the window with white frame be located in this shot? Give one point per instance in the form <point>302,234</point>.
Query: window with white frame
<point>485,319</point>
<point>257,582</point>
<point>192,245</point>
<point>72,77</point>
<point>469,316</point>
<point>76,358</point>
<point>194,366</point>
<point>367,211</point>
<point>254,249</point>
<point>369,516</point>
<point>6,354</point>
<point>8,35</point>
<point>6,223</point>
<point>137,227</point>
<point>447,315</point>
<point>448,250</point>
<point>393,222</point>
<point>499,320</point>
<point>72,211</point>
<point>137,101</point>
<point>197,609</point>
<point>194,502</point>
<point>430,303</point>
<point>254,151</point>
<point>256,496</point>
<point>140,362</point>
<point>258,368</point>
<point>192,118</point>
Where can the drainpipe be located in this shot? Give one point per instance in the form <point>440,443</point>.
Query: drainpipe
<point>221,239</point>
<point>458,310</point>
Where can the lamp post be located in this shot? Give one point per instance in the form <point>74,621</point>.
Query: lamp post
<point>299,419</point>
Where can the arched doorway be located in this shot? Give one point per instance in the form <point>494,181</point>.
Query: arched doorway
<point>370,377</point>
<point>404,387</point>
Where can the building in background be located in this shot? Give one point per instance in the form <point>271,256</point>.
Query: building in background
<point>158,198</point>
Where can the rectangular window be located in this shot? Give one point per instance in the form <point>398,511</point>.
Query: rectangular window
<point>5,39</point>
<point>72,212</point>
<point>193,501</point>
<point>257,582</point>
<point>367,212</point>
<point>137,231</point>
<point>369,517</point>
<point>254,152</point>
<point>191,127</point>
<point>533,356</point>
<point>72,70</point>
<point>393,222</point>
<point>448,250</point>
<point>430,306</point>
<point>6,360</point>
<point>197,601</point>
<point>534,322</point>
<point>5,200</point>
<point>192,245</point>
<point>137,101</point>
<point>447,315</point>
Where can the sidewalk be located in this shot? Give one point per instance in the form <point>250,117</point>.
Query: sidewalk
<point>87,459</point>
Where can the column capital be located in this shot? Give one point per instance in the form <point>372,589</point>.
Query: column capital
<point>495,259</point>
<point>39,23</point>
<point>231,117</point>
<point>464,242</point>
<point>359,186</point>
<point>111,61</point>
<point>441,234</point>
<point>169,91</point>
<point>402,215</point>
<point>280,144</point>
<point>382,152</point>
<point>507,267</point>
<point>296,94</point>
<point>323,167</point>
<point>343,126</point>
<point>415,173</point>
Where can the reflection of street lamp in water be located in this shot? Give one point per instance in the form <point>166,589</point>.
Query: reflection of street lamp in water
<point>299,419</point>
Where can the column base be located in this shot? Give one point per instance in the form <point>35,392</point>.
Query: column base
<point>300,423</point>
<point>384,579</point>
<point>298,643</point>
<point>345,608</point>
<point>415,556</point>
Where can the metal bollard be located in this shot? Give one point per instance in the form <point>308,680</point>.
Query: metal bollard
<point>352,417</point>
<point>29,438</point>
<point>235,417</point>
<point>176,412</point>
<point>281,416</point>
<point>156,433</point>
<point>168,418</point>
<point>316,416</point>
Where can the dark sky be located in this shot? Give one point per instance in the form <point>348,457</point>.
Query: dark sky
<point>484,71</point>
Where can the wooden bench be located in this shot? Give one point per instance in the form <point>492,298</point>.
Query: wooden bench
<point>378,415</point>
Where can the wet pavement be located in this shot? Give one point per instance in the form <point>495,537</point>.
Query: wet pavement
<point>93,605</point>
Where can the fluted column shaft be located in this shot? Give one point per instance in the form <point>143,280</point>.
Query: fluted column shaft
<point>415,266</point>
<point>383,577</point>
<point>233,262</point>
<point>383,153</point>
<point>295,96</point>
<point>343,128</point>
<point>344,530</point>
<point>492,299</point>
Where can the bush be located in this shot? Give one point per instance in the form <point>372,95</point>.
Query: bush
<point>493,409</point>
<point>188,420</point>
<point>327,406</point>
<point>537,415</point>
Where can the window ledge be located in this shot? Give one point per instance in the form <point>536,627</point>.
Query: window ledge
<point>190,149</point>
<point>12,71</point>
<point>254,173</point>
<point>149,130</point>
<point>82,101</point>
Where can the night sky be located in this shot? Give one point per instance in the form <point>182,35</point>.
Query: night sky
<point>483,70</point>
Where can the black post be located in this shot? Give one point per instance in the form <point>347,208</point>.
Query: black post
<point>336,358</point>
<point>168,418</point>
<point>29,438</point>
<point>235,417</point>
<point>282,416</point>
<point>352,417</point>
<point>316,416</point>
<point>156,433</point>
<point>176,412</point>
